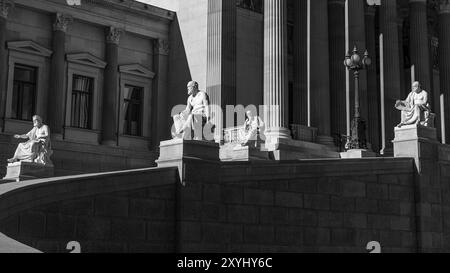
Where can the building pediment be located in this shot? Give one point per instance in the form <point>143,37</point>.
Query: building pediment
<point>30,47</point>
<point>86,59</point>
<point>137,70</point>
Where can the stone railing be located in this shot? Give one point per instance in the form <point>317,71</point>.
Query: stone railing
<point>234,135</point>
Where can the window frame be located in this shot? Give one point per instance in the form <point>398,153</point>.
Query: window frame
<point>84,65</point>
<point>138,76</point>
<point>27,53</point>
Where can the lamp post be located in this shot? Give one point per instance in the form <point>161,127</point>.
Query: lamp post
<point>358,139</point>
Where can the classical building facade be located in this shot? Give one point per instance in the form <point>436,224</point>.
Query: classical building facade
<point>93,72</point>
<point>106,74</point>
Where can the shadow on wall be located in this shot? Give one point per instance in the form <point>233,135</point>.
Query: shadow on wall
<point>179,72</point>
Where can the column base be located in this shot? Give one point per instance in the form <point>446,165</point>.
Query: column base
<point>20,171</point>
<point>288,149</point>
<point>275,135</point>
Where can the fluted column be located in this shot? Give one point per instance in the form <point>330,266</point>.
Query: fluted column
<point>276,70</point>
<point>373,96</point>
<point>300,64</point>
<point>419,44</point>
<point>57,92</point>
<point>5,7</point>
<point>221,61</point>
<point>110,88</point>
<point>444,61</point>
<point>392,70</point>
<point>336,22</point>
<point>161,113</point>
<point>319,81</point>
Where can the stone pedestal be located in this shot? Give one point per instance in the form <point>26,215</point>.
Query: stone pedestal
<point>20,171</point>
<point>416,141</point>
<point>358,153</point>
<point>249,153</point>
<point>174,152</point>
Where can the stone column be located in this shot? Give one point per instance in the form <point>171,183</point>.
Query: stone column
<point>319,87</point>
<point>110,88</point>
<point>419,44</point>
<point>373,94</point>
<point>221,61</point>
<point>336,23</point>
<point>57,92</point>
<point>276,70</point>
<point>161,112</point>
<point>392,70</point>
<point>444,61</point>
<point>4,11</point>
<point>300,64</point>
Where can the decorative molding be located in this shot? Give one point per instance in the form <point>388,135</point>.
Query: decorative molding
<point>29,47</point>
<point>161,47</point>
<point>113,35</point>
<point>61,22</point>
<point>137,70</point>
<point>86,59</point>
<point>5,6</point>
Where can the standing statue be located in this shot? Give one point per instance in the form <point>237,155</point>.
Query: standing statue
<point>253,128</point>
<point>189,124</point>
<point>415,109</point>
<point>38,147</point>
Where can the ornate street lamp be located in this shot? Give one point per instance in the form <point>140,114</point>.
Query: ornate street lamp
<point>355,63</point>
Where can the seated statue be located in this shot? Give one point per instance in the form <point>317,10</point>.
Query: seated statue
<point>253,129</point>
<point>189,124</point>
<point>415,109</point>
<point>38,147</point>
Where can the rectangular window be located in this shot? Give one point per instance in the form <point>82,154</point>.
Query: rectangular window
<point>24,92</point>
<point>82,102</point>
<point>132,106</point>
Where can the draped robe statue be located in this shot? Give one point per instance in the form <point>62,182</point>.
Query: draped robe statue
<point>415,109</point>
<point>37,148</point>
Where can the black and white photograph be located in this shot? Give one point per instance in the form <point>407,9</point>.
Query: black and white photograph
<point>225,127</point>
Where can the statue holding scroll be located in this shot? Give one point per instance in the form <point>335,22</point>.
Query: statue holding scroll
<point>37,148</point>
<point>415,109</point>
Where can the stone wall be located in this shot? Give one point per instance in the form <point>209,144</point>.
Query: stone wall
<point>310,206</point>
<point>120,212</point>
<point>334,206</point>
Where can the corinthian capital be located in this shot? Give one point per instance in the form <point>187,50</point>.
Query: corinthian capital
<point>444,6</point>
<point>161,47</point>
<point>61,22</point>
<point>113,35</point>
<point>5,6</point>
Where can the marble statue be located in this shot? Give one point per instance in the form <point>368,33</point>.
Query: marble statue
<point>38,147</point>
<point>196,115</point>
<point>253,127</point>
<point>415,109</point>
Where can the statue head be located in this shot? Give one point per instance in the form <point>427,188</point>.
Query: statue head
<point>37,121</point>
<point>249,114</point>
<point>416,87</point>
<point>192,87</point>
